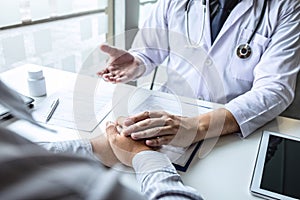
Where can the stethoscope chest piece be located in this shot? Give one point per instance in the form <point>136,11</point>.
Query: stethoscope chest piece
<point>243,51</point>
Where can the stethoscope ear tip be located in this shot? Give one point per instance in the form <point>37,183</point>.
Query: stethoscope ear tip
<point>243,51</point>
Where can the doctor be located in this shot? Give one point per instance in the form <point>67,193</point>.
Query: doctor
<point>244,55</point>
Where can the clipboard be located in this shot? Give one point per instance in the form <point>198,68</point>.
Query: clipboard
<point>184,166</point>
<point>181,157</point>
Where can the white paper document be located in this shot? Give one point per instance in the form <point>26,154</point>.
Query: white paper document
<point>171,105</point>
<point>80,111</point>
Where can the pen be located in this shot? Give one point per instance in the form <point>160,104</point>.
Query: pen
<point>52,109</point>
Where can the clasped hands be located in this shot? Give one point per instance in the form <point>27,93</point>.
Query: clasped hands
<point>143,132</point>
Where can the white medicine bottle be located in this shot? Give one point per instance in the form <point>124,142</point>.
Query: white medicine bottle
<point>36,82</point>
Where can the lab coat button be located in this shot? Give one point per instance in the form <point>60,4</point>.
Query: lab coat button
<point>208,62</point>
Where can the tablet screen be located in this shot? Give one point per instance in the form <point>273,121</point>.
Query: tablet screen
<point>277,170</point>
<point>281,173</point>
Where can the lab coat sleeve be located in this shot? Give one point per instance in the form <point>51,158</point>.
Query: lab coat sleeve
<point>151,42</point>
<point>274,76</point>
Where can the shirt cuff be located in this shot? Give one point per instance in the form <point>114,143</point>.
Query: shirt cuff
<point>148,65</point>
<point>150,161</point>
<point>79,147</point>
<point>240,118</point>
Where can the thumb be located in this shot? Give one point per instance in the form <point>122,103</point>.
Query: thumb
<point>111,130</point>
<point>112,51</point>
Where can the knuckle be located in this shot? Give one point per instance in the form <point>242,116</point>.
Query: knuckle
<point>172,116</point>
<point>169,121</point>
<point>158,129</point>
<point>164,140</point>
<point>146,123</point>
<point>146,113</point>
<point>156,141</point>
<point>143,134</point>
<point>138,135</point>
<point>167,140</point>
<point>110,68</point>
<point>161,141</point>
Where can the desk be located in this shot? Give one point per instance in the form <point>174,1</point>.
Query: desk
<point>224,174</point>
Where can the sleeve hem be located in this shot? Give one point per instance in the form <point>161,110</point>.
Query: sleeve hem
<point>142,162</point>
<point>148,65</point>
<point>240,118</point>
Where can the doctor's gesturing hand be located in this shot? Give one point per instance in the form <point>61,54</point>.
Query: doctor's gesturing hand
<point>122,67</point>
<point>160,128</point>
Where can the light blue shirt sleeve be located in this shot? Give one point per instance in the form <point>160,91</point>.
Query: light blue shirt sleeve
<point>154,171</point>
<point>159,179</point>
<point>78,147</point>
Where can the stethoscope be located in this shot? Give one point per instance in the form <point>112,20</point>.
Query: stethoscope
<point>243,51</point>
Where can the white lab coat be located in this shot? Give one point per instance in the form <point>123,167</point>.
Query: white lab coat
<point>254,90</point>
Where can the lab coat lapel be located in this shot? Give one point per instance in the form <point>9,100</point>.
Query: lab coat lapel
<point>240,10</point>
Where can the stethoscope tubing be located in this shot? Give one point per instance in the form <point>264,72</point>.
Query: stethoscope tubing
<point>263,10</point>
<point>244,50</point>
<point>187,8</point>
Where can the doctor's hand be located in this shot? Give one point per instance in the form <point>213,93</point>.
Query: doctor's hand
<point>124,147</point>
<point>159,128</point>
<point>121,67</point>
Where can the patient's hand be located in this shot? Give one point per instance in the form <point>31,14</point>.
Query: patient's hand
<point>124,147</point>
<point>103,151</point>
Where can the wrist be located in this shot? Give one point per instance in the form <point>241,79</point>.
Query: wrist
<point>216,123</point>
<point>96,145</point>
<point>202,127</point>
<point>141,68</point>
<point>101,148</point>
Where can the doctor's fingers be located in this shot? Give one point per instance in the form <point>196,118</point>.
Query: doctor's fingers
<point>112,71</point>
<point>154,132</point>
<point>143,116</point>
<point>144,125</point>
<point>112,51</point>
<point>117,69</point>
<point>109,78</point>
<point>123,79</point>
<point>159,141</point>
<point>117,78</point>
<point>102,72</point>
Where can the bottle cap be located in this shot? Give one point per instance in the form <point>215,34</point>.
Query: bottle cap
<point>35,73</point>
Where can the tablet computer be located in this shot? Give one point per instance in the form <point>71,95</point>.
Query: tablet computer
<point>276,173</point>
